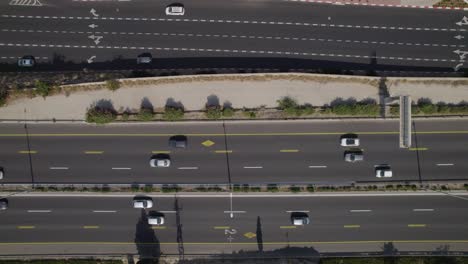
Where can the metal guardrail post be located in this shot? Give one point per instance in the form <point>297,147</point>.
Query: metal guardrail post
<point>405,121</point>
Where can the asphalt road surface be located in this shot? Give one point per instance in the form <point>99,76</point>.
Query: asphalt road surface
<point>238,152</point>
<point>274,34</point>
<point>204,225</point>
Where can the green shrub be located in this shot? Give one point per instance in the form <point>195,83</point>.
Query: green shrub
<point>173,113</point>
<point>466,186</point>
<point>272,188</point>
<point>428,109</point>
<point>236,188</point>
<point>295,189</point>
<point>100,115</point>
<point>228,112</point>
<point>355,109</point>
<point>213,112</point>
<point>249,114</point>
<point>125,116</point>
<point>287,103</point>
<point>310,188</point>
<point>42,88</point>
<point>395,110</point>
<point>112,84</point>
<point>307,110</point>
<point>3,97</point>
<point>145,114</point>
<point>167,189</point>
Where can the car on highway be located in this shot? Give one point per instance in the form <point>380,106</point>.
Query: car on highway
<point>299,218</point>
<point>144,58</point>
<point>27,61</point>
<point>349,140</point>
<point>383,171</point>
<point>142,202</point>
<point>354,155</point>
<point>178,141</point>
<point>175,10</point>
<point>155,218</point>
<point>3,204</point>
<point>2,173</point>
<point>160,160</point>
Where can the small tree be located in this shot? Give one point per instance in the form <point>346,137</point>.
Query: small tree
<point>145,114</point>
<point>3,98</point>
<point>100,115</point>
<point>112,84</point>
<point>213,112</point>
<point>173,113</point>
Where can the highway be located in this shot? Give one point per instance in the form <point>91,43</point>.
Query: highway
<point>306,152</point>
<point>262,34</point>
<point>203,224</point>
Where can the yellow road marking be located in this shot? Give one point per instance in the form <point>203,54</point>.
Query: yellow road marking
<point>289,150</point>
<point>208,143</point>
<point>160,151</point>
<point>416,225</point>
<point>158,227</point>
<point>232,134</point>
<point>221,243</point>
<point>221,227</point>
<point>413,149</point>
<point>287,227</point>
<point>90,227</point>
<point>26,227</point>
<point>93,152</point>
<point>27,152</point>
<point>352,226</point>
<point>223,151</point>
<point>250,235</point>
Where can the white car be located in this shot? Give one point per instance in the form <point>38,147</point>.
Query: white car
<point>1,173</point>
<point>299,219</point>
<point>160,162</point>
<point>383,171</point>
<point>175,10</point>
<point>156,220</point>
<point>142,203</point>
<point>27,61</point>
<point>349,142</point>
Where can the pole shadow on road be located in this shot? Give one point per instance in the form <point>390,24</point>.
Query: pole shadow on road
<point>147,243</point>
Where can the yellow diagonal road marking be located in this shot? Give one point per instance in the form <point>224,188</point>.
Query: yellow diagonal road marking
<point>289,150</point>
<point>416,225</point>
<point>27,152</point>
<point>94,152</point>
<point>25,227</point>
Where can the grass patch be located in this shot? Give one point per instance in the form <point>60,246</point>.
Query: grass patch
<point>113,85</point>
<point>214,112</point>
<point>451,3</point>
<point>291,108</point>
<point>354,109</point>
<point>42,88</point>
<point>228,112</point>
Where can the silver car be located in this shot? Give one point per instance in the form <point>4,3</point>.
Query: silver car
<point>142,202</point>
<point>175,10</point>
<point>299,218</point>
<point>2,173</point>
<point>383,171</point>
<point>156,220</point>
<point>3,204</point>
<point>353,155</point>
<point>160,160</point>
<point>144,58</point>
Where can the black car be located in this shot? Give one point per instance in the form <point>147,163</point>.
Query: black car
<point>178,141</point>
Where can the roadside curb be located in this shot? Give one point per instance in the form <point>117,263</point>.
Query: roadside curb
<point>379,5</point>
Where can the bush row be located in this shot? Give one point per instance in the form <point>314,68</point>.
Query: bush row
<point>433,109</point>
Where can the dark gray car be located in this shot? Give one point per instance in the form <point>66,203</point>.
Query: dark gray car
<point>3,204</point>
<point>178,141</point>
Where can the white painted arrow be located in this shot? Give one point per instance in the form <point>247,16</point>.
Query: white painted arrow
<point>461,53</point>
<point>93,12</point>
<point>97,39</point>
<point>93,26</point>
<point>459,37</point>
<point>463,22</point>
<point>456,68</point>
<point>90,60</point>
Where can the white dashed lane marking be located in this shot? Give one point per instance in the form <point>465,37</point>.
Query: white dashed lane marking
<point>188,168</point>
<point>121,168</point>
<point>253,167</point>
<point>444,164</point>
<point>237,22</point>
<point>164,34</point>
<point>59,168</point>
<point>360,211</point>
<point>423,210</point>
<point>311,54</point>
<point>318,167</point>
<point>39,211</point>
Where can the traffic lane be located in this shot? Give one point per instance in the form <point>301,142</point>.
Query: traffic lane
<point>15,159</point>
<point>248,9</point>
<point>441,158</point>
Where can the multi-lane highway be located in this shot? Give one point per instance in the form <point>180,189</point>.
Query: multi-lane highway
<point>233,152</point>
<point>56,225</point>
<point>273,34</point>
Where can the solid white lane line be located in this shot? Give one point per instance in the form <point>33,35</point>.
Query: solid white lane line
<point>317,166</point>
<point>228,212</point>
<point>253,167</point>
<point>188,168</point>
<point>39,211</point>
<point>121,168</point>
<point>360,211</point>
<point>297,211</point>
<point>168,212</point>
<point>59,168</point>
<point>423,210</point>
<point>445,164</point>
<point>104,211</point>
